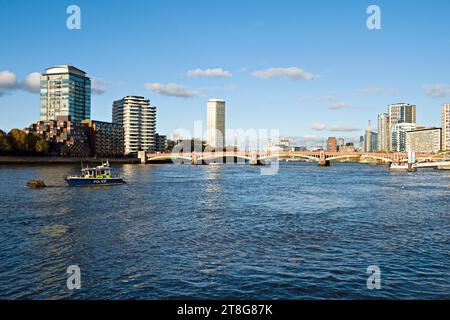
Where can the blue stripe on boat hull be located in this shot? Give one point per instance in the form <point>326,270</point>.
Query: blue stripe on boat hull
<point>82,182</point>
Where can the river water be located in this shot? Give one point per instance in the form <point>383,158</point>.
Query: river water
<point>212,232</point>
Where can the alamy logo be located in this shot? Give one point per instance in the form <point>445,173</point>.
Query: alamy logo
<point>74,280</point>
<point>374,20</point>
<point>74,20</point>
<point>374,280</point>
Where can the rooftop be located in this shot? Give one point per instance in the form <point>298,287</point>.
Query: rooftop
<point>65,69</point>
<point>216,100</point>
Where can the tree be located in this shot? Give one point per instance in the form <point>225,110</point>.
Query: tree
<point>42,145</point>
<point>5,147</point>
<point>30,143</point>
<point>17,140</point>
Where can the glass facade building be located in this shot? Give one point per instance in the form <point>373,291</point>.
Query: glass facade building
<point>216,123</point>
<point>65,91</point>
<point>398,136</point>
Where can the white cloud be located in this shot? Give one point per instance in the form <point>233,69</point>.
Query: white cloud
<point>311,98</point>
<point>32,82</point>
<point>437,90</point>
<point>318,126</point>
<point>293,73</point>
<point>339,106</point>
<point>315,140</point>
<point>306,140</point>
<point>171,90</point>
<point>379,91</point>
<point>209,73</point>
<point>8,80</point>
<point>334,128</point>
<point>98,85</point>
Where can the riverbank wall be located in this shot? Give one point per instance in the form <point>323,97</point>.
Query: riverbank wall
<point>62,160</point>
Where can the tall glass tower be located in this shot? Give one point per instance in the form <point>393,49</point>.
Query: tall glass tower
<point>216,123</point>
<point>65,91</point>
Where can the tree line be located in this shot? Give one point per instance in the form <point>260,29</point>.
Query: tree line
<point>18,142</point>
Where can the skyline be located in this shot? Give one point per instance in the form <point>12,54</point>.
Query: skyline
<point>307,84</point>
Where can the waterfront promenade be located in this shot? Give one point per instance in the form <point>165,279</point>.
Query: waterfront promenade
<point>60,160</point>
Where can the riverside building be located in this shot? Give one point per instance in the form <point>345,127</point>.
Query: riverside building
<point>332,144</point>
<point>398,136</point>
<point>383,143</point>
<point>68,138</point>
<point>370,140</point>
<point>106,139</point>
<point>65,92</point>
<point>138,119</point>
<point>401,113</point>
<point>427,140</point>
<point>446,126</point>
<point>216,123</point>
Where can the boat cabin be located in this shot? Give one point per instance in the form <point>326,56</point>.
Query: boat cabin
<point>97,172</point>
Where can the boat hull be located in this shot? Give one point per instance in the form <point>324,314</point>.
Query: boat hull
<point>90,182</point>
<point>397,168</point>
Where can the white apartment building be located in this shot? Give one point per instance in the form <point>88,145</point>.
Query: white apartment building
<point>446,126</point>
<point>216,123</point>
<point>138,118</point>
<point>424,140</point>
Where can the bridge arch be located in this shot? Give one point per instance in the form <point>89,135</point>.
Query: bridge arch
<point>169,157</point>
<point>377,158</point>
<point>287,155</point>
<point>224,155</point>
<point>343,157</point>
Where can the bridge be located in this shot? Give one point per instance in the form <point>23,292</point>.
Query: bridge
<point>323,158</point>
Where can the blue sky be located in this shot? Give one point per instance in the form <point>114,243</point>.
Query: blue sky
<point>309,68</point>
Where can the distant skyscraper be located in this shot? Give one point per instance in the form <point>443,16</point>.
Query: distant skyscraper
<point>446,126</point>
<point>383,132</point>
<point>65,91</point>
<point>138,118</point>
<point>398,136</point>
<point>332,144</point>
<point>340,142</point>
<point>216,123</point>
<point>402,113</point>
<point>370,140</point>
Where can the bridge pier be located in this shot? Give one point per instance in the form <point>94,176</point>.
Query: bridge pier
<point>194,158</point>
<point>254,159</point>
<point>142,156</point>
<point>324,163</point>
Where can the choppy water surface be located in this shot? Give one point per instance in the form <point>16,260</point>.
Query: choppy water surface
<point>226,232</point>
